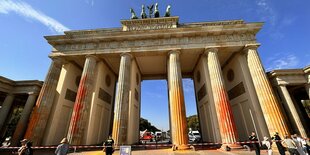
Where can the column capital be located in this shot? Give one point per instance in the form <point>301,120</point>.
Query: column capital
<point>58,60</point>
<point>126,54</point>
<point>10,94</point>
<point>282,85</point>
<point>251,46</point>
<point>211,49</point>
<point>33,93</point>
<point>174,50</point>
<point>92,56</point>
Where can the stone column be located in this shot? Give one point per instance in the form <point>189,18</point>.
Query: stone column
<point>176,102</point>
<point>272,112</point>
<point>23,121</point>
<point>41,112</point>
<point>120,123</point>
<point>307,75</point>
<point>80,114</point>
<point>308,90</point>
<point>6,106</point>
<point>225,118</point>
<point>293,110</point>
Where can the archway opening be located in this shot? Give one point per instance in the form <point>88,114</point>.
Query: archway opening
<point>193,125</point>
<point>154,111</point>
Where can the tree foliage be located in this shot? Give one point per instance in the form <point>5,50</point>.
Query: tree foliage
<point>192,122</point>
<point>145,124</point>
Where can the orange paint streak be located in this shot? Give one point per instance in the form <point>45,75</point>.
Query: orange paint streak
<point>226,121</point>
<point>78,106</point>
<point>33,121</point>
<point>35,116</point>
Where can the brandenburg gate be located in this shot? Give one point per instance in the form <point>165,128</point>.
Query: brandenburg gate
<point>93,86</point>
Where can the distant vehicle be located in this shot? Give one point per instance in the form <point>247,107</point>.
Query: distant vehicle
<point>147,136</point>
<point>158,135</point>
<point>194,136</point>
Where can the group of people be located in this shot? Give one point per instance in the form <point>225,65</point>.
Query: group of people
<point>295,145</point>
<point>25,149</point>
<point>63,147</point>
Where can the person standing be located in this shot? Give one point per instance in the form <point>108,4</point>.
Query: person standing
<point>291,146</point>
<point>29,150</point>
<point>297,141</point>
<point>108,146</point>
<point>268,145</point>
<point>25,149</point>
<point>305,146</point>
<point>255,142</point>
<point>63,147</point>
<point>278,140</point>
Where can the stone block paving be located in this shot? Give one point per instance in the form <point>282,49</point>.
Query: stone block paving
<point>169,152</point>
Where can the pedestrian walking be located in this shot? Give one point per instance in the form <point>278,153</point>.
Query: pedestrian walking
<point>268,145</point>
<point>290,144</point>
<point>255,142</point>
<point>108,146</point>
<point>278,141</point>
<point>63,147</point>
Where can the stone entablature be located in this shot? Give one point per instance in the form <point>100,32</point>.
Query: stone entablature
<point>223,33</point>
<point>150,24</point>
<point>217,23</point>
<point>20,87</point>
<point>201,42</point>
<point>288,76</point>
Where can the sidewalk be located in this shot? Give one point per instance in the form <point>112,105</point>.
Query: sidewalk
<point>169,152</point>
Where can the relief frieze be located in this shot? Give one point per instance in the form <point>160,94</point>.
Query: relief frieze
<point>156,42</point>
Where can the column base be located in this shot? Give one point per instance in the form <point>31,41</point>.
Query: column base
<point>228,147</point>
<point>180,147</point>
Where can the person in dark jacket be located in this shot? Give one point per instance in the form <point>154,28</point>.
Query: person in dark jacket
<point>278,141</point>
<point>108,146</point>
<point>29,150</point>
<point>255,143</point>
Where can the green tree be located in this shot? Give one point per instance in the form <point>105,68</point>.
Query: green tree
<point>145,124</point>
<point>192,122</point>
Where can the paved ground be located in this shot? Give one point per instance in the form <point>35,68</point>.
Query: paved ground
<point>169,152</point>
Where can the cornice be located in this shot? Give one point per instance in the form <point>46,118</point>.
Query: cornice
<point>276,73</point>
<point>183,30</point>
<point>307,69</point>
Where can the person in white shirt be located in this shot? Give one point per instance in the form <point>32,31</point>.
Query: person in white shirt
<point>268,145</point>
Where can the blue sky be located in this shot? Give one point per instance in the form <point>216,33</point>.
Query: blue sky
<point>24,52</point>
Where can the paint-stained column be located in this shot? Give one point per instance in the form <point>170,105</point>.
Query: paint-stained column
<point>272,113</point>
<point>227,125</point>
<point>176,101</point>
<point>120,124</point>
<point>81,109</point>
<point>23,121</point>
<point>6,106</point>
<point>41,112</point>
<point>293,110</point>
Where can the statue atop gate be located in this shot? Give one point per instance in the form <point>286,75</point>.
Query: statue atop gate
<point>152,14</point>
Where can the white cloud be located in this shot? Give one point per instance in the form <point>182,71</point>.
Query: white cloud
<point>283,62</point>
<point>25,10</point>
<point>267,12</point>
